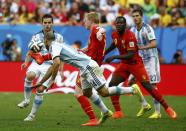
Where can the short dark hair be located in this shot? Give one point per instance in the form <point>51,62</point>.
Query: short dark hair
<point>47,16</point>
<point>139,10</point>
<point>121,17</point>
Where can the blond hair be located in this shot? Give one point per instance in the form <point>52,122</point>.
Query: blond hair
<point>92,16</point>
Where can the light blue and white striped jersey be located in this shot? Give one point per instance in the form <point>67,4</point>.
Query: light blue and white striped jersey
<point>69,55</point>
<point>144,36</point>
<point>40,37</point>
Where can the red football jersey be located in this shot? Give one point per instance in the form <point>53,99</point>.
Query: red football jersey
<point>125,43</point>
<point>96,48</point>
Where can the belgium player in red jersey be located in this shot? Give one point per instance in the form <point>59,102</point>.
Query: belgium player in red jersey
<point>131,63</point>
<point>95,49</point>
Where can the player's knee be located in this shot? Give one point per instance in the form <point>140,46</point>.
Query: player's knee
<point>30,76</point>
<point>87,93</point>
<point>103,92</point>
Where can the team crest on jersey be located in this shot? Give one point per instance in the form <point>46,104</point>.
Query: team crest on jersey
<point>131,44</point>
<point>150,36</point>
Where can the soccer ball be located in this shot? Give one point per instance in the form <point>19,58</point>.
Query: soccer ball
<point>36,45</point>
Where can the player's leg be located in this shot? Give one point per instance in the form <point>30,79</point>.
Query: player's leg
<point>87,85</point>
<point>95,98</point>
<point>145,107</point>
<point>116,80</point>
<point>152,67</point>
<point>142,76</point>
<point>85,105</point>
<point>42,69</point>
<point>122,74</point>
<point>36,104</point>
<point>31,74</point>
<point>157,112</point>
<point>157,95</point>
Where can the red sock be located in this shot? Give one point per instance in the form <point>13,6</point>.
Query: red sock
<point>115,102</point>
<point>156,94</point>
<point>85,104</point>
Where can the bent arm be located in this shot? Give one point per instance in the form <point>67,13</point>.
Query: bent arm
<point>152,44</point>
<point>112,46</point>
<point>127,56</point>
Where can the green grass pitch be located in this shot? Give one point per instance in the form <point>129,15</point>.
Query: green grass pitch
<point>62,112</point>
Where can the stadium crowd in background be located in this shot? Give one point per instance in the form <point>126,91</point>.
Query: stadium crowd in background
<point>10,49</point>
<point>164,13</point>
<point>158,13</point>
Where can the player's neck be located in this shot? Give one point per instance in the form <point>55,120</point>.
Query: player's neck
<point>139,26</point>
<point>121,32</point>
<point>93,25</point>
<point>45,31</point>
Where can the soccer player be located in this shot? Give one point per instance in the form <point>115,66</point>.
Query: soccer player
<point>91,75</point>
<point>147,50</point>
<point>37,69</point>
<point>131,62</point>
<point>95,49</point>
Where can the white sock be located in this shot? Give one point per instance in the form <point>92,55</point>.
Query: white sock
<point>36,104</point>
<point>27,89</point>
<point>116,90</point>
<point>98,102</point>
<point>143,102</point>
<point>156,105</point>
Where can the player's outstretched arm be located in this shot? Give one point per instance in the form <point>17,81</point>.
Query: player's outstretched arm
<point>61,70</point>
<point>56,64</point>
<point>27,59</point>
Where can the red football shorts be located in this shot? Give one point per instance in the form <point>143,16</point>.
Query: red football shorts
<point>138,70</point>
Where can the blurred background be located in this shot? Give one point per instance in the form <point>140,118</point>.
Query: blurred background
<point>20,19</point>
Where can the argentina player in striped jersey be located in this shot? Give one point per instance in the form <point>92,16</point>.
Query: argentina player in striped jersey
<point>148,51</point>
<point>38,68</point>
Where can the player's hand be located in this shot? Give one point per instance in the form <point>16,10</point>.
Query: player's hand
<point>36,85</point>
<point>24,66</point>
<point>141,48</point>
<point>108,60</point>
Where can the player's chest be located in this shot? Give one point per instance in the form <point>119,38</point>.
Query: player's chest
<point>120,43</point>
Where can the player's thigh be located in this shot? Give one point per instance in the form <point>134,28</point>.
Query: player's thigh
<point>92,78</point>
<point>139,72</point>
<point>152,67</point>
<point>43,68</point>
<point>86,87</point>
<point>32,71</point>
